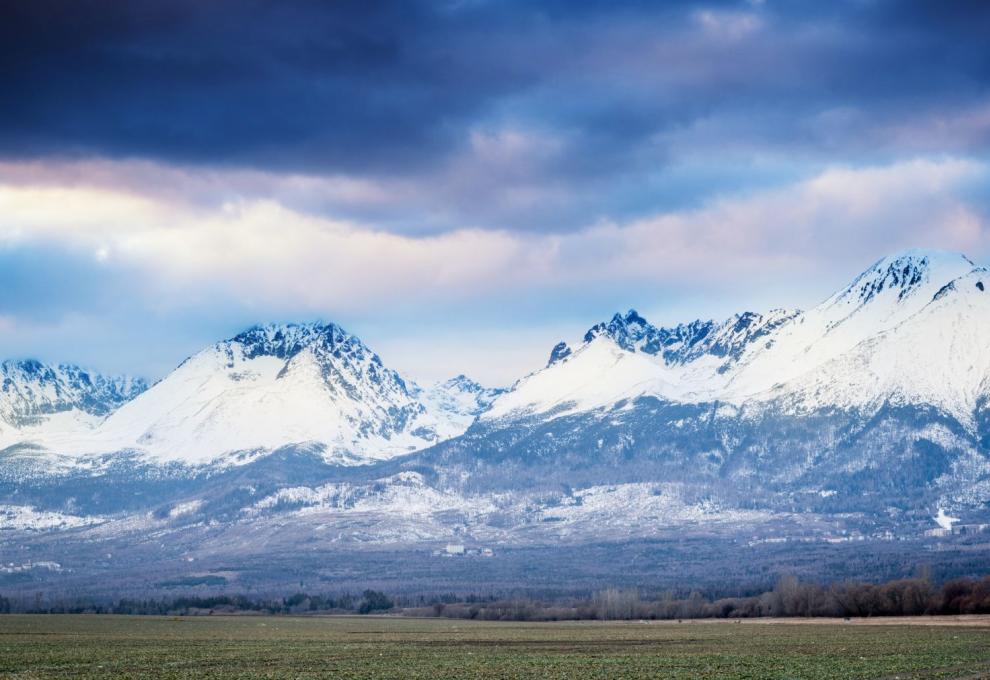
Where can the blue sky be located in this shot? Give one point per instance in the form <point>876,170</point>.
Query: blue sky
<point>464,183</point>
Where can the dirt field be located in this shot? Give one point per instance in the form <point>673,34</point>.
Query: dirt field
<point>971,621</point>
<point>380,647</point>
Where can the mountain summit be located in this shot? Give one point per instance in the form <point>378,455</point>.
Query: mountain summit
<point>913,272</point>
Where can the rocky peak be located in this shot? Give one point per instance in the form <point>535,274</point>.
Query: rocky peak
<point>30,388</point>
<point>559,352</point>
<point>899,276</point>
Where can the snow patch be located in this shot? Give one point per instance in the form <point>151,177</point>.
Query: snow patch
<point>27,518</point>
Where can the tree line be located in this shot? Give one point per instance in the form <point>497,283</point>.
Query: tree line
<point>300,603</point>
<point>789,598</point>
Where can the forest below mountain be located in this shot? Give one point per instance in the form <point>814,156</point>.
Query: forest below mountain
<point>789,598</point>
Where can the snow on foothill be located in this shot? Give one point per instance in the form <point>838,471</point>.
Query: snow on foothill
<point>27,518</point>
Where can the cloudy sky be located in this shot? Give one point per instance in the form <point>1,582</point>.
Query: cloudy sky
<point>463,183</point>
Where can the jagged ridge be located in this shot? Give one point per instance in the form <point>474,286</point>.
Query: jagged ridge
<point>30,389</point>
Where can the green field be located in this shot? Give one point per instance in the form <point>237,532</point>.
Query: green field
<point>370,647</point>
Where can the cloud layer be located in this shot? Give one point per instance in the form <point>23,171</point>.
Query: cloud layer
<point>536,115</point>
<point>458,173</point>
<point>75,248</point>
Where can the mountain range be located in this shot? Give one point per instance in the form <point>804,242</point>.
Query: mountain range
<point>867,415</point>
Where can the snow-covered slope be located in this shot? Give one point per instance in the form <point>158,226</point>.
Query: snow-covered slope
<point>939,357</point>
<point>457,402</point>
<point>597,374</point>
<point>890,292</point>
<point>273,386</point>
<point>757,357</point>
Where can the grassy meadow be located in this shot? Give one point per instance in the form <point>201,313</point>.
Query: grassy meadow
<point>54,646</point>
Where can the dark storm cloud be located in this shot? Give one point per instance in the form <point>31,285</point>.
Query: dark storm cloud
<point>293,84</point>
<point>624,90</point>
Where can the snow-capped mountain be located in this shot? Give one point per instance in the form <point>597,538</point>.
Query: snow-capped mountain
<point>271,386</point>
<point>753,357</point>
<point>31,390</point>
<point>36,396</point>
<point>279,385</point>
<point>891,292</point>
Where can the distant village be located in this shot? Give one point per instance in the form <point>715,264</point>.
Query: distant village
<point>853,535</point>
<point>459,550</point>
<point>958,530</point>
